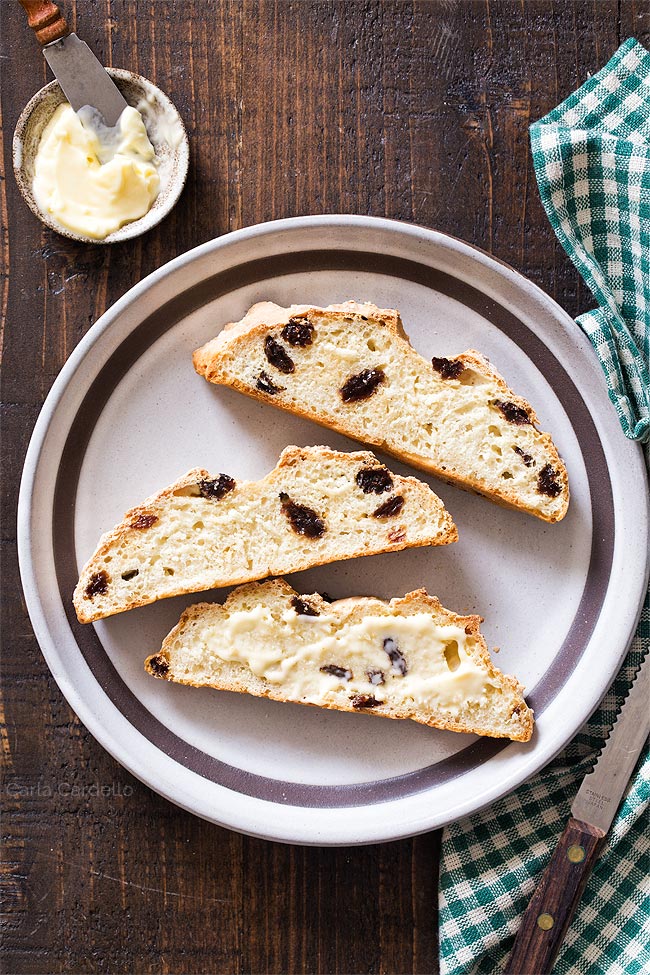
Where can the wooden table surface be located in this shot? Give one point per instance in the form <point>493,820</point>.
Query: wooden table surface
<point>417,111</point>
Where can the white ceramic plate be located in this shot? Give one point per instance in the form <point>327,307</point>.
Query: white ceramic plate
<point>128,415</point>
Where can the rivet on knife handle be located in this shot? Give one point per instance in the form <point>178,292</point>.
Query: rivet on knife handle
<point>46,20</point>
<point>549,913</point>
<point>554,902</point>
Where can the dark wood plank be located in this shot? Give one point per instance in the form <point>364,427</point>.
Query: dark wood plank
<point>418,111</point>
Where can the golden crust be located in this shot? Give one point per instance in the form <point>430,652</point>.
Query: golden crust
<point>149,506</point>
<point>209,362</point>
<point>291,457</point>
<point>417,601</point>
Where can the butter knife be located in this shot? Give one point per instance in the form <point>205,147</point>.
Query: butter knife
<point>82,77</point>
<point>558,893</point>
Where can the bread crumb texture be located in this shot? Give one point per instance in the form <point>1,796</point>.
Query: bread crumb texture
<point>407,658</point>
<point>351,368</point>
<point>205,531</point>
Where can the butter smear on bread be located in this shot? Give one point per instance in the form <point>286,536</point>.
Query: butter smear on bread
<point>407,658</point>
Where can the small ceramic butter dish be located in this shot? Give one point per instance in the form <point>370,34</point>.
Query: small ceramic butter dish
<point>166,133</point>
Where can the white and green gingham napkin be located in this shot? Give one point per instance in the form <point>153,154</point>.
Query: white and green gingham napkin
<point>592,160</point>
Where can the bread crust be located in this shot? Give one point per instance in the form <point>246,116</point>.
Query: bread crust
<point>291,456</point>
<point>353,609</point>
<point>208,362</point>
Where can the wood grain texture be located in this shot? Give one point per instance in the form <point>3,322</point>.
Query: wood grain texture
<point>555,900</point>
<point>417,111</point>
<point>45,19</point>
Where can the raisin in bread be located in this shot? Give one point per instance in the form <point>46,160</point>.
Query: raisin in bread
<point>351,367</point>
<point>318,505</point>
<point>408,658</point>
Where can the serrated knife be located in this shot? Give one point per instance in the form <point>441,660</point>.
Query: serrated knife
<point>82,77</point>
<point>558,893</point>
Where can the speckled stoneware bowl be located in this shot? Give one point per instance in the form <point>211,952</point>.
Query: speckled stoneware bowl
<point>162,122</point>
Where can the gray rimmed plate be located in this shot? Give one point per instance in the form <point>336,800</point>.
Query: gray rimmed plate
<point>128,414</point>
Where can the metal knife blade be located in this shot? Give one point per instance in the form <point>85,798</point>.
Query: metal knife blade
<point>549,912</point>
<point>83,78</point>
<point>602,789</point>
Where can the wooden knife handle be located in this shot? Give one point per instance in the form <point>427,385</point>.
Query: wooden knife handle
<point>553,904</point>
<point>46,20</point>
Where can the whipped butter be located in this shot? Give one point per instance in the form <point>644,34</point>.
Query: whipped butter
<point>90,185</point>
<point>291,649</point>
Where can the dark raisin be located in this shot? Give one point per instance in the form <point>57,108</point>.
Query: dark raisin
<point>448,368</point>
<point>389,508</point>
<point>218,488</point>
<point>395,656</point>
<point>266,384</point>
<point>98,584</point>
<point>303,608</point>
<point>277,355</point>
<point>144,521</point>
<point>513,413</point>
<point>304,520</point>
<point>527,459</point>
<point>159,666</point>
<point>131,574</point>
<point>298,331</point>
<point>375,676</point>
<point>326,596</point>
<point>341,672</point>
<point>547,482</point>
<point>362,385</point>
<point>364,701</point>
<point>374,480</point>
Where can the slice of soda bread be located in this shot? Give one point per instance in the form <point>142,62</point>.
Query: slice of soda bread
<point>409,658</point>
<point>351,367</point>
<point>318,505</point>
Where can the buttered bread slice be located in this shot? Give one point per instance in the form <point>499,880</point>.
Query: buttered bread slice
<point>318,505</point>
<point>351,368</point>
<point>407,658</point>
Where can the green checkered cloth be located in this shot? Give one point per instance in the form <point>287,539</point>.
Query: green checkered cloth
<point>592,160</point>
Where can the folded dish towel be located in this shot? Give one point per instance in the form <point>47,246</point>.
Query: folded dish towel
<point>592,160</point>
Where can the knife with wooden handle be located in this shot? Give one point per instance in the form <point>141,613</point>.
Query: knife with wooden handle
<point>82,77</point>
<point>558,893</point>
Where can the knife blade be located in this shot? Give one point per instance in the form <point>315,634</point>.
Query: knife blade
<point>602,789</point>
<point>551,908</point>
<point>82,77</point>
